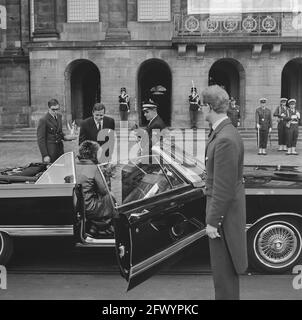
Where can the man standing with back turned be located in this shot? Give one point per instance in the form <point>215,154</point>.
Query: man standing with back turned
<point>225,210</point>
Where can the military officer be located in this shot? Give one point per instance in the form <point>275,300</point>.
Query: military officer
<point>233,113</point>
<point>292,118</point>
<point>50,134</point>
<point>280,113</point>
<point>124,101</point>
<point>263,125</point>
<point>194,101</point>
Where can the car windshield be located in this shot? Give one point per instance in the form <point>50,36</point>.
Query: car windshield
<point>60,172</point>
<point>139,179</point>
<point>188,165</point>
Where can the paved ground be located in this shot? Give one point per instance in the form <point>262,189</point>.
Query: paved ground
<point>160,287</point>
<point>18,154</point>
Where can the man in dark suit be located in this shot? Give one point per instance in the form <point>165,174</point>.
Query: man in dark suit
<point>50,134</point>
<point>225,210</point>
<point>99,128</point>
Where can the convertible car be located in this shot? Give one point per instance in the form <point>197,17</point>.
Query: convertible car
<point>158,205</point>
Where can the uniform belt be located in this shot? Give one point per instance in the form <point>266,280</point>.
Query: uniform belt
<point>194,102</point>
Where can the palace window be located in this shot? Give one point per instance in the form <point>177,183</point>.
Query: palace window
<point>82,10</point>
<point>155,10</point>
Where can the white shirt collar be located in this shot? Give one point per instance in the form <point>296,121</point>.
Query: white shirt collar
<point>217,123</point>
<point>153,119</point>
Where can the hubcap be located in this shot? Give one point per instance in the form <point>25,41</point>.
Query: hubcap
<point>277,245</point>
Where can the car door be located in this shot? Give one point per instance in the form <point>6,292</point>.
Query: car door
<point>158,214</point>
<point>43,208</point>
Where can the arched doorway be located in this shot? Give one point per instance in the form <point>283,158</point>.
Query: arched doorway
<point>291,81</point>
<point>83,89</point>
<point>229,74</point>
<point>155,82</point>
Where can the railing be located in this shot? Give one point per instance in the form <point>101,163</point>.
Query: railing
<point>254,24</point>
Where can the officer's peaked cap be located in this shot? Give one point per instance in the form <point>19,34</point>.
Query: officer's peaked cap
<point>291,101</point>
<point>262,99</point>
<point>150,104</point>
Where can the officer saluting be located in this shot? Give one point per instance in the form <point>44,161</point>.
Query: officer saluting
<point>280,113</point>
<point>194,101</point>
<point>233,113</point>
<point>263,125</point>
<point>124,101</point>
<point>292,118</point>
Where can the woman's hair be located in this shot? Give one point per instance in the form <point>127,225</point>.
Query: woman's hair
<point>88,150</point>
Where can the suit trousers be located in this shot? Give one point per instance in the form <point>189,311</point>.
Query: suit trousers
<point>282,134</point>
<point>263,137</point>
<point>226,280</point>
<point>292,135</point>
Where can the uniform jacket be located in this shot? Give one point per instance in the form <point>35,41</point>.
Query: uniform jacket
<point>194,102</point>
<point>124,102</point>
<point>279,112</point>
<point>225,190</point>
<point>234,114</point>
<point>89,131</point>
<point>50,134</point>
<point>292,116</point>
<point>264,118</point>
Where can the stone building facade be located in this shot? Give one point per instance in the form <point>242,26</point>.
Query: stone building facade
<point>82,53</point>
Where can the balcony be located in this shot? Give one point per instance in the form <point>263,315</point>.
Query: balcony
<point>203,28</point>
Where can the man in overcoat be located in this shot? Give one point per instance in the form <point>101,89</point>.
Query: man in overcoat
<point>225,209</point>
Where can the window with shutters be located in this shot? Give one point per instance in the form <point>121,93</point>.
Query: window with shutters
<point>82,10</point>
<point>154,10</point>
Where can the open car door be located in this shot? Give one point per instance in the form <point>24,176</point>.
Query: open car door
<point>158,214</point>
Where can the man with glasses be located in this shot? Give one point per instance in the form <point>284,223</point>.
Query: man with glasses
<point>50,133</point>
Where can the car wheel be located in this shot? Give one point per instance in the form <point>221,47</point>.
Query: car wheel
<point>274,245</point>
<point>6,248</point>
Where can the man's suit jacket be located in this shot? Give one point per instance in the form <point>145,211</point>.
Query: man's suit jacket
<point>225,190</point>
<point>89,131</point>
<point>50,136</point>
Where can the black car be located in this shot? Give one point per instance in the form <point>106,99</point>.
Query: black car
<point>158,204</point>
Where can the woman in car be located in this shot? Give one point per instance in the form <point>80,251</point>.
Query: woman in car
<point>98,207</point>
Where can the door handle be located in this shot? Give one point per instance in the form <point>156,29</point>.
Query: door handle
<point>139,214</point>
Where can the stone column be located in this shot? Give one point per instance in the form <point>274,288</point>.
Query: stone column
<point>45,20</point>
<point>117,25</point>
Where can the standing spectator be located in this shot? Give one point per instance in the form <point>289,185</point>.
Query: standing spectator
<point>50,133</point>
<point>292,118</point>
<point>224,189</point>
<point>194,101</point>
<point>124,101</point>
<point>280,113</point>
<point>263,125</point>
<point>234,113</point>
